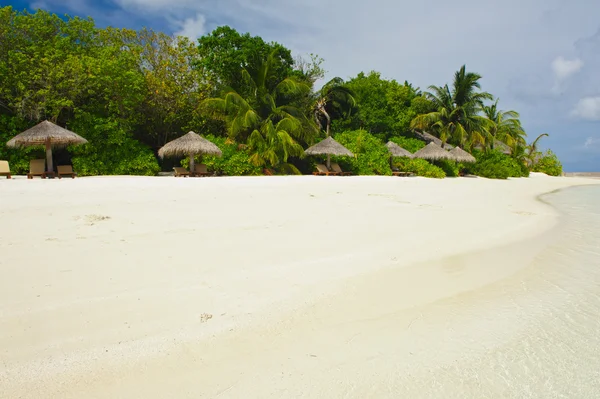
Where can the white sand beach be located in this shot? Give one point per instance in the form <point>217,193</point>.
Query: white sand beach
<point>261,287</point>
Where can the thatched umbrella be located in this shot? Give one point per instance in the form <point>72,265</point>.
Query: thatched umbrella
<point>396,151</point>
<point>328,147</point>
<point>432,152</point>
<point>49,135</point>
<point>190,145</point>
<point>461,155</point>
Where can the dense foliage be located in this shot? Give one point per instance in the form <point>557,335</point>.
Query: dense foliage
<point>371,155</point>
<point>130,92</point>
<point>235,161</point>
<point>419,167</point>
<point>548,163</point>
<point>496,165</point>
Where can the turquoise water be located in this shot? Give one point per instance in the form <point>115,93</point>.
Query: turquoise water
<point>552,309</point>
<point>535,334</point>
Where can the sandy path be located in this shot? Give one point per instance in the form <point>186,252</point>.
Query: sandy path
<point>243,287</point>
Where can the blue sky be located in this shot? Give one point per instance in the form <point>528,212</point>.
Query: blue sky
<point>540,57</point>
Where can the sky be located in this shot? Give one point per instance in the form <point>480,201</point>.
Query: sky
<point>539,57</point>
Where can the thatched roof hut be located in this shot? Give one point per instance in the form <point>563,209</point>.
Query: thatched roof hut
<point>397,151</point>
<point>189,144</point>
<point>49,135</point>
<point>461,155</point>
<point>43,132</point>
<point>329,147</point>
<point>432,152</point>
<point>430,138</point>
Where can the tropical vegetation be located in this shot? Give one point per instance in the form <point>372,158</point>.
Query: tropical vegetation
<point>131,91</point>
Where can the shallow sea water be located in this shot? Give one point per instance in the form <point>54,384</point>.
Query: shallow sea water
<point>535,334</point>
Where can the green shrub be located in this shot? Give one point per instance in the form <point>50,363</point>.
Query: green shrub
<point>450,168</point>
<point>233,162</point>
<point>548,163</point>
<point>371,155</point>
<point>408,143</point>
<point>419,167</point>
<point>496,165</point>
<point>111,150</point>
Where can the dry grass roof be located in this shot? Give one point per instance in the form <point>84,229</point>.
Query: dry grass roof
<point>189,144</point>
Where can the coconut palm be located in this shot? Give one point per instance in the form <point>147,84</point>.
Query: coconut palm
<point>334,97</point>
<point>527,154</point>
<point>456,118</point>
<point>504,126</point>
<point>264,120</point>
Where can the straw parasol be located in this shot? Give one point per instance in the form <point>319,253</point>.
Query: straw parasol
<point>432,152</point>
<point>190,145</point>
<point>397,151</point>
<point>328,147</point>
<point>461,155</point>
<point>49,135</point>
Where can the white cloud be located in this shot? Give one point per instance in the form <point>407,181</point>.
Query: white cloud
<point>564,68</point>
<point>192,28</point>
<point>590,142</point>
<point>587,108</point>
<point>41,5</point>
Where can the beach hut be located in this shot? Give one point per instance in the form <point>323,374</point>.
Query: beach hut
<point>433,152</point>
<point>49,135</point>
<point>430,138</point>
<point>329,147</point>
<point>189,145</point>
<point>461,155</point>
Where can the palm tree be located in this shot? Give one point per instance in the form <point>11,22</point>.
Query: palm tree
<point>264,119</point>
<point>456,118</point>
<point>527,154</point>
<point>334,97</point>
<point>504,126</point>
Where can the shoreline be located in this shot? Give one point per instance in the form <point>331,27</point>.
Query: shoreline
<point>325,283</point>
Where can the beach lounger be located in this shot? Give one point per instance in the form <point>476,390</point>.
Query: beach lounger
<point>37,167</point>
<point>181,172</point>
<point>65,170</point>
<point>336,168</point>
<point>5,169</point>
<point>201,170</point>
<point>323,171</point>
<point>402,174</point>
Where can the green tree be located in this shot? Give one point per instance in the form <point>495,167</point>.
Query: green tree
<point>503,125</point>
<point>385,108</point>
<point>334,99</point>
<point>265,120</point>
<point>224,53</point>
<point>456,117</point>
<point>174,89</point>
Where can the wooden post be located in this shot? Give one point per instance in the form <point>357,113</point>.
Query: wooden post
<point>328,161</point>
<point>49,165</point>
<point>192,165</point>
